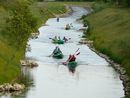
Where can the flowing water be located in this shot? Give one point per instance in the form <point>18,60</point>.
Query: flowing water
<point>94,77</point>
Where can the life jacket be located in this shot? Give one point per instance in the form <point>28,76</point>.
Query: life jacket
<point>71,58</point>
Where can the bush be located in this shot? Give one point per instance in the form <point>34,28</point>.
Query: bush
<point>98,6</point>
<point>21,22</point>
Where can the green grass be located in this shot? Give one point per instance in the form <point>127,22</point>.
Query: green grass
<point>10,55</point>
<point>8,58</point>
<point>110,30</point>
<point>46,10</point>
<point>8,70</point>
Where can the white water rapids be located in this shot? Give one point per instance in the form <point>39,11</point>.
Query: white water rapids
<point>94,77</point>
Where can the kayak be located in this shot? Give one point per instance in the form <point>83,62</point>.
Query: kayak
<point>58,41</point>
<point>58,55</point>
<point>67,28</point>
<point>72,65</point>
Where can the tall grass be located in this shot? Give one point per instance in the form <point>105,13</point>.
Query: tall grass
<point>10,55</point>
<point>110,30</point>
<point>45,10</point>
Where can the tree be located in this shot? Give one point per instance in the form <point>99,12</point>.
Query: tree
<point>21,21</point>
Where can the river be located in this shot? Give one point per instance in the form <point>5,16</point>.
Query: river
<point>94,77</point>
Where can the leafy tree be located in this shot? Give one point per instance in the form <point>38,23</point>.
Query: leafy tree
<point>21,21</point>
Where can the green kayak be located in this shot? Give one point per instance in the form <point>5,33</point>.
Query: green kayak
<point>58,55</point>
<point>72,65</point>
<point>58,41</point>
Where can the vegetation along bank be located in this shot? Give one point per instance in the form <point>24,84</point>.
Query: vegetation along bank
<point>109,28</point>
<point>19,18</point>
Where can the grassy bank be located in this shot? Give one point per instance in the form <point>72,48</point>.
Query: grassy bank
<point>9,54</point>
<point>46,10</point>
<point>110,30</point>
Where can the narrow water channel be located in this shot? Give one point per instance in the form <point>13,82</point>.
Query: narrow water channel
<point>94,77</point>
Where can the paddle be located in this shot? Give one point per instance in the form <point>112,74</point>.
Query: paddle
<point>76,51</point>
<point>50,55</point>
<point>71,25</point>
<point>69,39</point>
<point>50,38</point>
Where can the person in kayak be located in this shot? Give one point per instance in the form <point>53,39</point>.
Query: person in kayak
<point>56,50</point>
<point>58,19</point>
<point>55,38</point>
<point>71,58</point>
<point>65,39</point>
<point>67,26</point>
<point>59,38</point>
